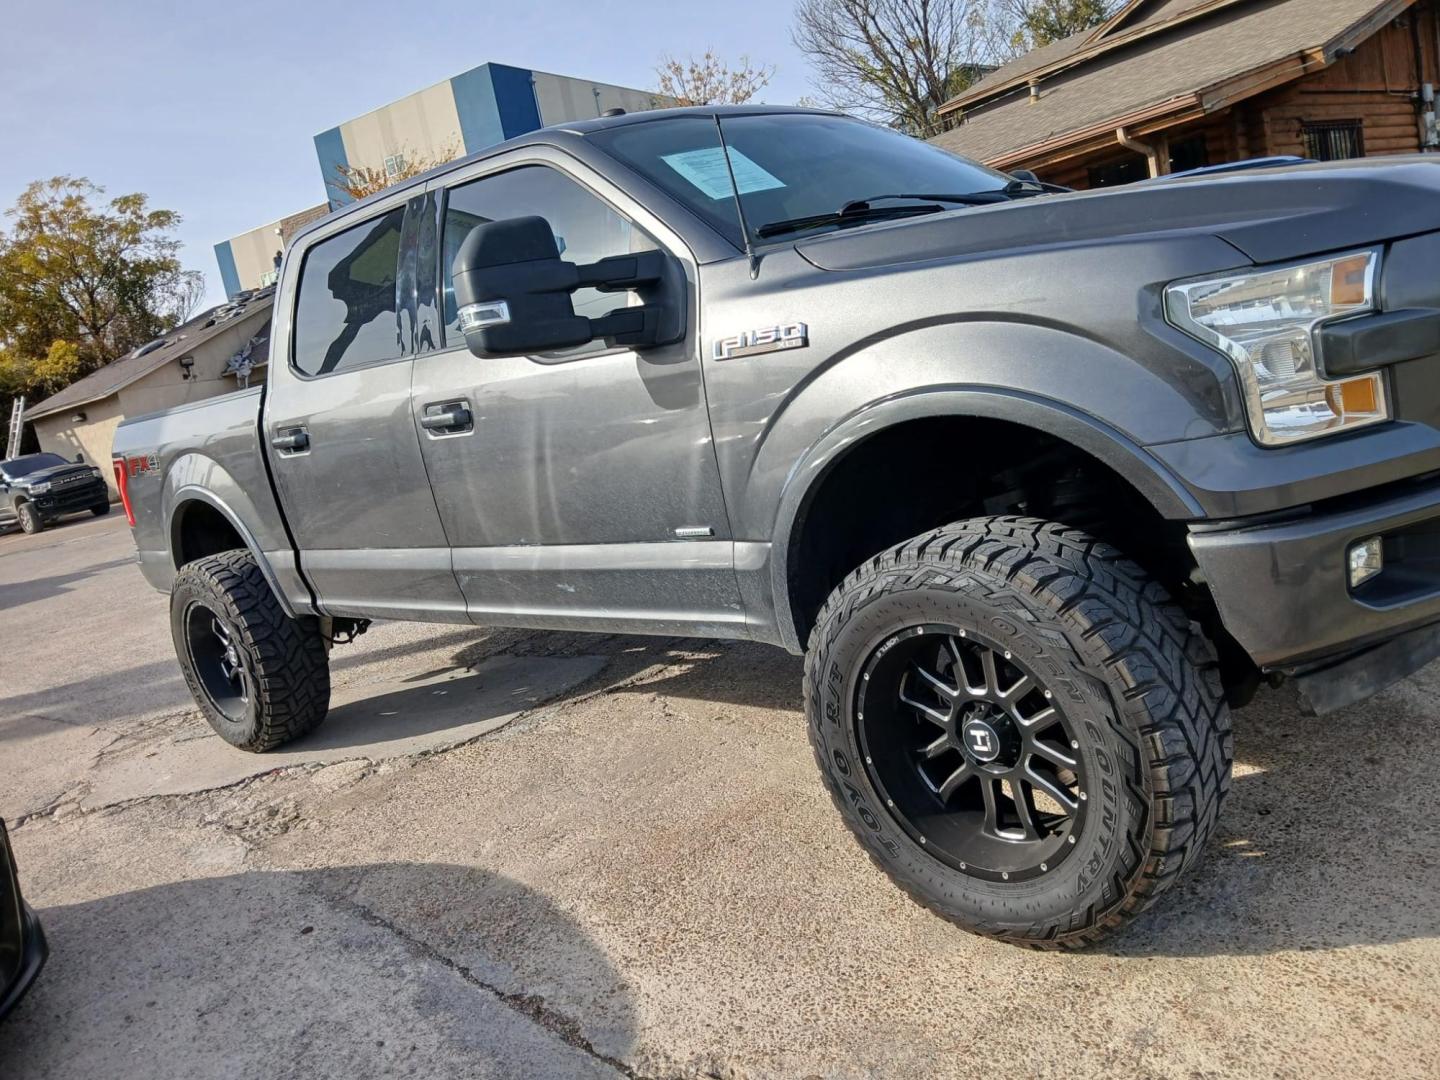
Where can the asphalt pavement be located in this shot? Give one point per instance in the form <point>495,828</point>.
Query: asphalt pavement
<point>522,854</point>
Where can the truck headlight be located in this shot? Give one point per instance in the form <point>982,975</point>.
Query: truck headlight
<point>39,489</point>
<point>1265,322</point>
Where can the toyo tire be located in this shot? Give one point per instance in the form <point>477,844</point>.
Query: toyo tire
<point>1020,727</point>
<point>260,677</point>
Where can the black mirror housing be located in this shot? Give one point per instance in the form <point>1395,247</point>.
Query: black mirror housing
<point>513,290</point>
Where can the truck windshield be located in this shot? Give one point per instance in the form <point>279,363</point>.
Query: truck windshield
<point>789,167</point>
<point>24,466</point>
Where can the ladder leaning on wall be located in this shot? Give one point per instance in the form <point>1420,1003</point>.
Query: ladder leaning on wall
<point>17,425</point>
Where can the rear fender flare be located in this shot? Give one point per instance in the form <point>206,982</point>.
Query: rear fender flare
<point>179,495</point>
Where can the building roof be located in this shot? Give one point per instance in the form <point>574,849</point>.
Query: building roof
<point>135,365</point>
<point>1155,58</point>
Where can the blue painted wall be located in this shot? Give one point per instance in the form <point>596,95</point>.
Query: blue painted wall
<point>229,276</point>
<point>494,103</point>
<point>515,97</point>
<point>330,149</point>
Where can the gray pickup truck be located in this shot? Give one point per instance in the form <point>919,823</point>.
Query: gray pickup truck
<point>1041,483</point>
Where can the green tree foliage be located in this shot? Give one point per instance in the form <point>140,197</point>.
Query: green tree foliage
<point>1042,21</point>
<point>83,280</point>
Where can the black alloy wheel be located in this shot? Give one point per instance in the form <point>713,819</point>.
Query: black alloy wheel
<point>971,752</point>
<point>217,662</point>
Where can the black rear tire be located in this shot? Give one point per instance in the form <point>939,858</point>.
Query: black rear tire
<point>1132,690</point>
<point>260,677</point>
<point>30,521</point>
<point>101,510</point>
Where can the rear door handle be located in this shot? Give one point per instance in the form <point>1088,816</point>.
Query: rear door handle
<point>447,418</point>
<point>292,441</point>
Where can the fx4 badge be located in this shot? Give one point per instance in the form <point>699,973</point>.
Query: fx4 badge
<point>795,335</point>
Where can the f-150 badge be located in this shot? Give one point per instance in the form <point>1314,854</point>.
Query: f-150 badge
<point>795,335</point>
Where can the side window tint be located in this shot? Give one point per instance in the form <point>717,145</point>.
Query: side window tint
<point>586,229</point>
<point>346,314</point>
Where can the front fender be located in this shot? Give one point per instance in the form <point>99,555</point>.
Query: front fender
<point>1054,382</point>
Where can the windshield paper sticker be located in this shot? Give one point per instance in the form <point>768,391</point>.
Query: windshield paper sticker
<point>706,170</point>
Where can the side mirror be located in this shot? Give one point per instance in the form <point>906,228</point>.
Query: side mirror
<point>513,293</point>
<point>79,459</point>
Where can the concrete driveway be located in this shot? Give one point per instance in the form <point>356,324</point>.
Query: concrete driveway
<point>524,854</point>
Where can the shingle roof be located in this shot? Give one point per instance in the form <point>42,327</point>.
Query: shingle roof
<point>1170,65</point>
<point>118,374</point>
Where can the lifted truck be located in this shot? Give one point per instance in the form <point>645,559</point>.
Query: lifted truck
<point>38,489</point>
<point>1041,483</point>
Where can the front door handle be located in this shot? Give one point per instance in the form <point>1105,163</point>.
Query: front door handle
<point>449,418</point>
<point>294,441</point>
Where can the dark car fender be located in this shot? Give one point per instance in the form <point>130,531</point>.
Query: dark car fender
<point>907,399</point>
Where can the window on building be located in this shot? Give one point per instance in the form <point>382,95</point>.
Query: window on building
<point>1124,170</point>
<point>1189,153</point>
<point>345,316</point>
<point>394,166</point>
<point>586,229</point>
<point>1334,140</point>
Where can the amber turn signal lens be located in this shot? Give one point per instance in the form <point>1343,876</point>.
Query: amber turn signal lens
<point>1354,396</point>
<point>1348,281</point>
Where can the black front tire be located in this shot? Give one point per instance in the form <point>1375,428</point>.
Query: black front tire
<point>30,519</point>
<point>1137,684</point>
<point>100,510</point>
<point>260,677</point>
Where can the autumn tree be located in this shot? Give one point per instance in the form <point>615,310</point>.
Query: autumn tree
<point>83,280</point>
<point>358,181</point>
<point>708,80</point>
<point>1039,22</point>
<point>894,61</point>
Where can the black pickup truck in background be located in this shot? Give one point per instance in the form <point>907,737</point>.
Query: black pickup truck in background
<point>36,489</point>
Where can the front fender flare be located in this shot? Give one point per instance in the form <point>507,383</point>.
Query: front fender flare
<point>1106,444</point>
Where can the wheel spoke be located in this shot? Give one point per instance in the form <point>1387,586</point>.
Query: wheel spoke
<point>992,813</point>
<point>1045,714</point>
<point>929,712</point>
<point>992,680</point>
<point>954,780</point>
<point>938,747</point>
<point>1054,790</point>
<point>1021,798</point>
<point>937,683</point>
<point>1019,689</point>
<point>1052,755</point>
<point>219,630</point>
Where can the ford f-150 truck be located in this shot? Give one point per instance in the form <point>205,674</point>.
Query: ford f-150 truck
<point>1041,483</point>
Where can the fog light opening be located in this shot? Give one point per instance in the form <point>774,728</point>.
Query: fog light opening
<point>1366,560</point>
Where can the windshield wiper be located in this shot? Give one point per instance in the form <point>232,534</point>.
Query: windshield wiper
<point>861,210</point>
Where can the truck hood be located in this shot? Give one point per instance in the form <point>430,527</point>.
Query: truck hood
<point>1269,215</point>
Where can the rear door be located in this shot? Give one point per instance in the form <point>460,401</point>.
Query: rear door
<point>343,444</point>
<point>582,489</point>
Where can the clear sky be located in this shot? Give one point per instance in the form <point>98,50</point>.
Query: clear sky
<point>210,108</point>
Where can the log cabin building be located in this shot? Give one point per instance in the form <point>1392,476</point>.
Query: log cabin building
<point>1170,85</point>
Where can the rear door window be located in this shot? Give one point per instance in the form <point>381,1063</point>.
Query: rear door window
<point>346,314</point>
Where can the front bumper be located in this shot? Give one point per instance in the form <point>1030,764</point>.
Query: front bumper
<point>1283,592</point>
<point>72,500</point>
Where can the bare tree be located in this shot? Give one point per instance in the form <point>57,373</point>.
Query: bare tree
<point>358,181</point>
<point>895,61</point>
<point>709,80</point>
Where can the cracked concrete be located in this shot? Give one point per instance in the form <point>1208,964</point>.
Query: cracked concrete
<point>639,874</point>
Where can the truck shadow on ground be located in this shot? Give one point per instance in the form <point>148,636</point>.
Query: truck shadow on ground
<point>17,594</point>
<point>144,982</point>
<point>1326,839</point>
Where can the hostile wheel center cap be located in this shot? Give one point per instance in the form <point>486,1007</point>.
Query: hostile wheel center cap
<point>989,737</point>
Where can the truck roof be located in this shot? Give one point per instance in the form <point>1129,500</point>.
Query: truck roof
<point>559,134</point>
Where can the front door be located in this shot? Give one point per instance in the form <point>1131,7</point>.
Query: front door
<point>343,444</point>
<point>578,489</point>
